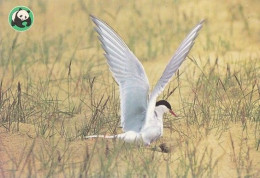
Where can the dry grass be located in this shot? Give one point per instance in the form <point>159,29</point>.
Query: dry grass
<point>55,88</point>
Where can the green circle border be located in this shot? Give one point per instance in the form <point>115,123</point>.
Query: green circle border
<point>18,28</point>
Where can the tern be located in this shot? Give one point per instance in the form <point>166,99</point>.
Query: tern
<point>141,115</point>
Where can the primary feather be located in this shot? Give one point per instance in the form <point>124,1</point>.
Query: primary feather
<point>128,73</point>
<point>172,67</point>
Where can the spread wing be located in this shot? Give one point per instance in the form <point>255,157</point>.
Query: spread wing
<point>173,66</point>
<point>128,73</point>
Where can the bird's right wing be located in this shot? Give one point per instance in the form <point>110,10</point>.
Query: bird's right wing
<point>173,66</point>
<point>128,73</point>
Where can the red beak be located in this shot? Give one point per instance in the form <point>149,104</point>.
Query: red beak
<point>173,113</point>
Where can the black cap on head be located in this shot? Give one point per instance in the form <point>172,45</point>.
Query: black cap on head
<point>165,103</point>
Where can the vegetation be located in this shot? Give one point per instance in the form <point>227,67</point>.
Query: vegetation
<point>55,88</point>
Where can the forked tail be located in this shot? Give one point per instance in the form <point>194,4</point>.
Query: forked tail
<point>100,136</point>
<point>128,137</point>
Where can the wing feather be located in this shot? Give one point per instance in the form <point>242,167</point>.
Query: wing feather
<point>128,73</point>
<point>172,67</point>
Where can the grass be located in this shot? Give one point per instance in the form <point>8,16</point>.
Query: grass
<point>55,88</point>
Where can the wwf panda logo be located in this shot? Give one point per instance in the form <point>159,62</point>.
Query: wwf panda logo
<point>21,18</point>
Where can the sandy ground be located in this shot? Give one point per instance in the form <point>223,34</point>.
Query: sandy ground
<point>20,152</point>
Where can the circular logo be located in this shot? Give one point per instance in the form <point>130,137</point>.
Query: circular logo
<point>21,18</point>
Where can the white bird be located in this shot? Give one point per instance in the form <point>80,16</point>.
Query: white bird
<point>141,115</point>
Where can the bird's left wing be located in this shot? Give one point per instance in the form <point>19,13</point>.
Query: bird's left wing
<point>173,66</point>
<point>128,73</point>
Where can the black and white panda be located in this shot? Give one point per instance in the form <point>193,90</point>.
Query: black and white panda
<point>21,16</point>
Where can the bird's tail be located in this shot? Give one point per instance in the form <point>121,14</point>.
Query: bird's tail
<point>100,136</point>
<point>128,137</point>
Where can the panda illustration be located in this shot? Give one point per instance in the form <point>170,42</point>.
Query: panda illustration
<point>21,16</point>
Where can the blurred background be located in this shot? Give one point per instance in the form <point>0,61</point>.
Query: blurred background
<point>62,32</point>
